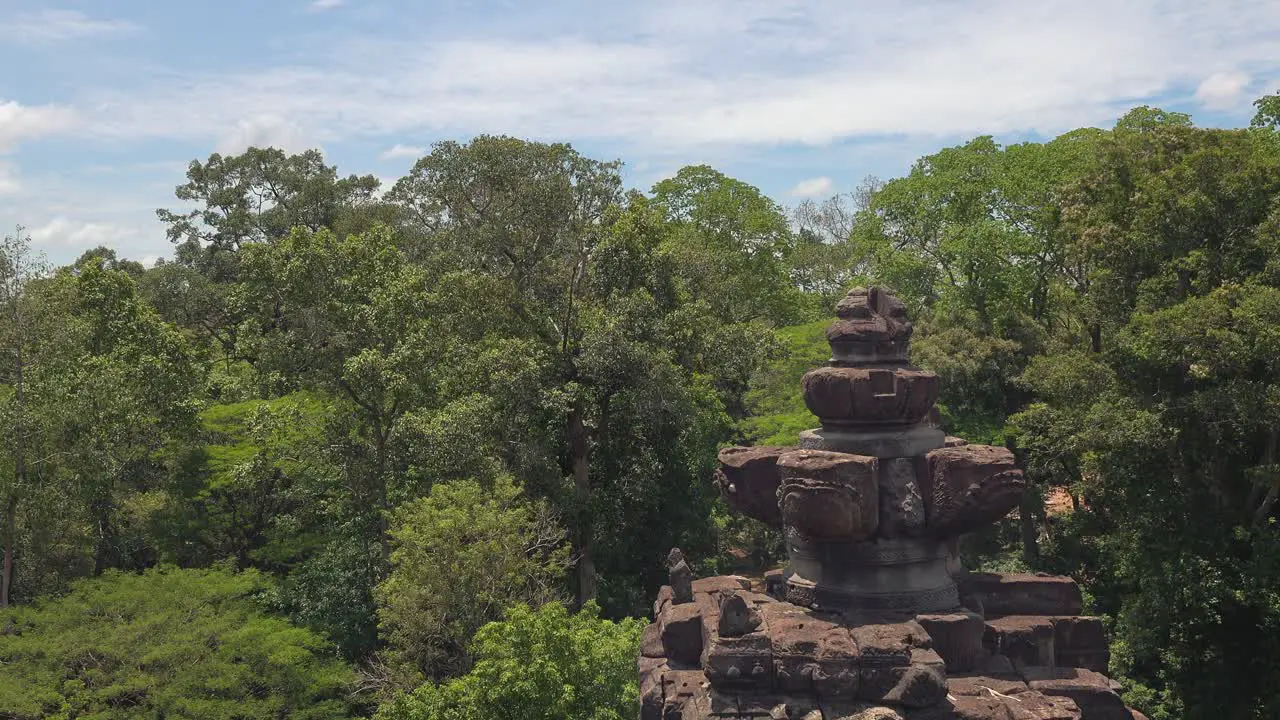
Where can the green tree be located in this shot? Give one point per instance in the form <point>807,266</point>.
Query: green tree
<point>166,643</point>
<point>1158,413</point>
<point>544,664</point>
<point>20,331</point>
<point>589,298</point>
<point>100,392</point>
<point>1268,115</point>
<point>126,410</point>
<point>824,263</point>
<point>256,197</point>
<point>731,245</point>
<point>463,555</point>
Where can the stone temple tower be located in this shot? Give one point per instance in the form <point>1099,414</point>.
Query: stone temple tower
<point>873,617</point>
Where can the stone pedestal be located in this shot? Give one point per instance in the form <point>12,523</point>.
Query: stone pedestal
<point>867,621</point>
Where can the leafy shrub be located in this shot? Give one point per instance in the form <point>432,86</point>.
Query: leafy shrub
<point>166,643</point>
<point>545,664</point>
<point>463,555</point>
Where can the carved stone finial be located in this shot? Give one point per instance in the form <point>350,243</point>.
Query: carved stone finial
<point>871,326</point>
<point>681,577</point>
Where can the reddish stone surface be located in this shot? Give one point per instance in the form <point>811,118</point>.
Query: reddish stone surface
<point>720,583</point>
<point>957,637</point>
<point>651,642</point>
<point>1081,642</point>
<point>1090,690</point>
<point>870,315</point>
<point>971,486</point>
<point>681,632</point>
<point>986,685</point>
<point>1024,639</point>
<point>1033,705</point>
<point>829,495</point>
<point>1019,594</point>
<point>889,644</point>
<point>652,698</point>
<point>738,615</point>
<point>805,661</point>
<point>847,396</point>
<point>748,481</point>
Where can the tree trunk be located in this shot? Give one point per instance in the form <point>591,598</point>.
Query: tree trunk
<point>580,450</point>
<point>10,537</point>
<point>19,473</point>
<point>1027,513</point>
<point>380,492</point>
<point>100,548</point>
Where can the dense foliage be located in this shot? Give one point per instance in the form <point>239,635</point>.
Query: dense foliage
<point>463,555</point>
<point>166,643</point>
<point>541,664</point>
<point>452,425</point>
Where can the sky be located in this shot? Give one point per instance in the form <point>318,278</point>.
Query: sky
<point>103,104</point>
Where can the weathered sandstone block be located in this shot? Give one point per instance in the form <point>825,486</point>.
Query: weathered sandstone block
<point>829,496</point>
<point>971,486</point>
<point>748,481</point>
<point>850,396</point>
<point>1027,640</point>
<point>1022,594</point>
<point>1091,691</point>
<point>957,637</point>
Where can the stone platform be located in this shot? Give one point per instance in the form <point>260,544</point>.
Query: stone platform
<point>733,651</point>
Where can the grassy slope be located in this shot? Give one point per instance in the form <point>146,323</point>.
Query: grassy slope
<point>778,413</point>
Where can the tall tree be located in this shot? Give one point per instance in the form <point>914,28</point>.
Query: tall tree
<point>19,267</point>
<point>255,197</point>
<point>532,215</point>
<point>128,404</point>
<point>590,291</point>
<point>732,245</point>
<point>825,264</point>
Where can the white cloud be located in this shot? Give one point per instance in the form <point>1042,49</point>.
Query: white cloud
<point>322,5</point>
<point>386,184</point>
<point>60,25</point>
<point>812,187</point>
<point>1222,90</point>
<point>402,151</point>
<point>263,130</point>
<point>677,75</point>
<point>21,122</point>
<point>63,232</point>
<point>9,182</point>
<point>149,261</point>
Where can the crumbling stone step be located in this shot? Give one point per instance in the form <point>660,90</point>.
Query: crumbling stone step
<point>1053,641</point>
<point>1022,594</point>
<point>1093,692</point>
